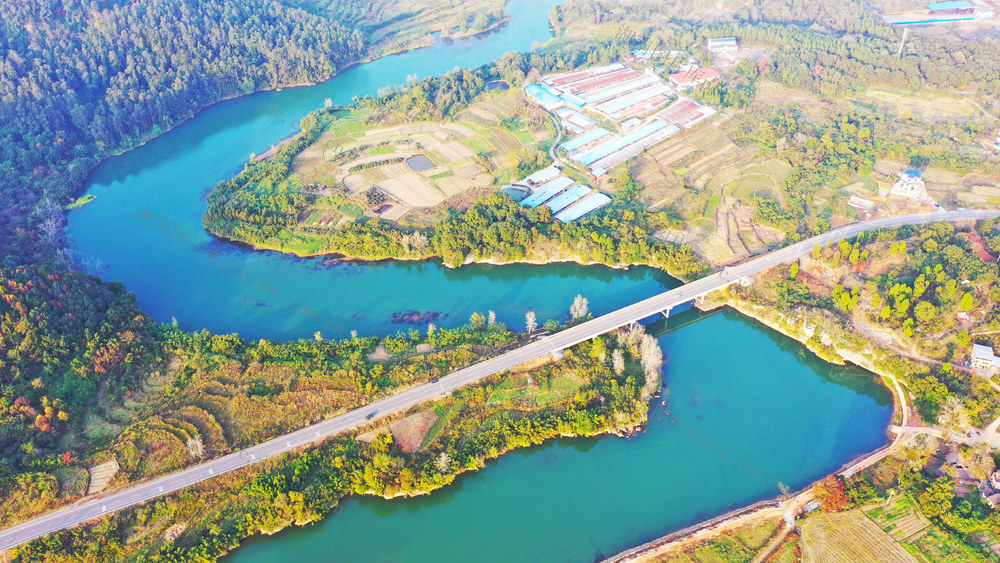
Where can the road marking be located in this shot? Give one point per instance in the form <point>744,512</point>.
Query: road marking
<point>161,489</point>
<point>104,508</point>
<point>288,444</point>
<point>211,471</point>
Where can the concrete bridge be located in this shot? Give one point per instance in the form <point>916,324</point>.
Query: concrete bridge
<point>660,304</point>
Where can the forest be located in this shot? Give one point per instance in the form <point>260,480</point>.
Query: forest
<point>82,80</point>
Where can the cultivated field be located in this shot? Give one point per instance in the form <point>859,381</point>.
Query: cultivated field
<point>416,165</point>
<point>404,24</point>
<point>927,105</point>
<point>848,536</point>
<point>703,177</point>
<point>739,544</point>
<point>899,519</point>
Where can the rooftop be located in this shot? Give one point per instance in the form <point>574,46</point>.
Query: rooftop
<point>981,352</point>
<point>949,6</point>
<point>703,73</point>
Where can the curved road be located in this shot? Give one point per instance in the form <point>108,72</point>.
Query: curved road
<point>93,508</point>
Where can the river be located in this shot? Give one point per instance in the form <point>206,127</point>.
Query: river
<point>760,398</point>
<point>746,407</point>
<point>266,294</point>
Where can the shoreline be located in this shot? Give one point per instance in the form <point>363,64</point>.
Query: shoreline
<point>711,527</point>
<point>469,261</point>
<point>81,190</point>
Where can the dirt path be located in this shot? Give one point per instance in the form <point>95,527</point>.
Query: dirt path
<point>555,144</point>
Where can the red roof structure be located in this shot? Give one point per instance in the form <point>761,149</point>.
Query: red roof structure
<point>701,74</point>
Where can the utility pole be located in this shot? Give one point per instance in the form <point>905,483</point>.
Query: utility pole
<point>906,31</point>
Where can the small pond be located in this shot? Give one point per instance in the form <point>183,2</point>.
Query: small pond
<point>419,163</point>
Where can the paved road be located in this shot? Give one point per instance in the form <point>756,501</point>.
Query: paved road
<point>92,508</point>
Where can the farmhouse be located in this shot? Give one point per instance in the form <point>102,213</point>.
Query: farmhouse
<point>694,77</point>
<point>983,358</point>
<point>991,490</point>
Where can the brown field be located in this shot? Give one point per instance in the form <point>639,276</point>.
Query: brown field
<point>472,152</point>
<point>701,175</point>
<point>409,433</point>
<point>848,536</point>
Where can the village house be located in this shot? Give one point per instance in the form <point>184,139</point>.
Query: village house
<point>694,77</point>
<point>983,358</point>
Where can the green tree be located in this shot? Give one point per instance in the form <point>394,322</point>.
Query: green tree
<point>937,498</point>
<point>967,302</point>
<point>925,313</point>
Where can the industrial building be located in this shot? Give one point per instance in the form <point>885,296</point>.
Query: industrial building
<point>600,153</point>
<point>574,121</point>
<point>943,12</point>
<point>694,77</point>
<point>686,113</point>
<point>613,91</point>
<point>567,199</point>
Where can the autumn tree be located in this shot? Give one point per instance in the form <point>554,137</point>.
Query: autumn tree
<point>830,493</point>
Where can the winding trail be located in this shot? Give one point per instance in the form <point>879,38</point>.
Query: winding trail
<point>311,435</point>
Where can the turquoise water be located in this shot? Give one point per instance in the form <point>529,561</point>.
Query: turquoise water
<point>179,271</point>
<point>746,407</point>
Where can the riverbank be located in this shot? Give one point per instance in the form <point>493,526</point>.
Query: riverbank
<point>789,506</point>
<point>544,260</point>
<point>830,303</point>
<point>574,396</point>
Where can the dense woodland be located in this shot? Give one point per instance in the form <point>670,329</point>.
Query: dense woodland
<point>81,80</point>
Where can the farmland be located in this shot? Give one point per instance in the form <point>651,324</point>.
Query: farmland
<point>702,175</point>
<point>714,179</point>
<point>397,25</point>
<point>849,536</point>
<point>415,165</point>
<point>739,544</point>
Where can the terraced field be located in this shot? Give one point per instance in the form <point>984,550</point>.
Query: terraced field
<point>474,151</point>
<point>705,178</point>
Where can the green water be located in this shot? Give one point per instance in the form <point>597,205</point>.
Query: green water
<point>746,407</point>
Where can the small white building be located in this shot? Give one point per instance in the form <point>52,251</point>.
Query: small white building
<point>983,358</point>
<point>911,185</point>
<point>722,45</point>
<point>861,203</point>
